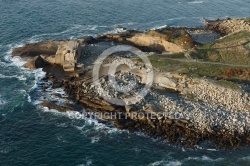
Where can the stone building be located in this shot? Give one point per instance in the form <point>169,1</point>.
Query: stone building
<point>67,55</point>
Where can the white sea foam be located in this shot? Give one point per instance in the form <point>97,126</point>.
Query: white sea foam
<point>88,161</point>
<point>2,101</point>
<point>54,111</point>
<point>166,163</point>
<point>93,129</point>
<point>29,99</point>
<point>196,2</point>
<point>39,74</point>
<point>21,77</point>
<point>51,95</point>
<point>95,139</point>
<point>205,158</point>
<point>5,64</point>
<point>159,27</point>
<point>90,125</point>
<point>8,57</point>
<point>247,158</point>
<point>59,91</point>
<point>73,31</point>
<point>126,23</point>
<point>16,61</point>
<point>214,150</point>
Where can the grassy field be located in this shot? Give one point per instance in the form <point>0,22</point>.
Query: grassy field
<point>231,49</point>
<point>197,70</point>
<point>187,68</point>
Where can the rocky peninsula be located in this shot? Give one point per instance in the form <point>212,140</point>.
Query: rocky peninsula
<point>199,90</point>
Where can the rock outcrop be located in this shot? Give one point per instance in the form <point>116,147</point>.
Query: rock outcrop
<point>64,53</point>
<point>155,43</point>
<point>228,26</point>
<point>35,49</point>
<point>168,39</point>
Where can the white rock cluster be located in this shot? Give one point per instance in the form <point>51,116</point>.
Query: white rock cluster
<point>213,107</point>
<point>235,25</point>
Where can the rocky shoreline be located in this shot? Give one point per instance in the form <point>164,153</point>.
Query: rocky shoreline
<point>178,108</point>
<point>228,26</point>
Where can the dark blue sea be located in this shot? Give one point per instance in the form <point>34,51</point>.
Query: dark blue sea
<point>35,136</point>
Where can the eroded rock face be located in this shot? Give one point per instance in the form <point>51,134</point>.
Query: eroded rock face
<point>155,43</point>
<point>64,53</point>
<point>36,49</point>
<point>170,40</point>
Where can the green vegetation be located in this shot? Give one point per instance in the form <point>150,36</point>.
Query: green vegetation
<point>232,49</point>
<point>242,35</point>
<point>197,69</point>
<point>179,55</point>
<point>226,61</point>
<point>187,67</point>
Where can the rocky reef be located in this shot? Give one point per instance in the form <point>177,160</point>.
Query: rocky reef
<point>192,98</point>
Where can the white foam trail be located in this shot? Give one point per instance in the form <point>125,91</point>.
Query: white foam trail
<point>196,2</point>
<point>205,158</point>
<point>177,18</point>
<point>247,158</point>
<point>53,111</point>
<point>71,32</point>
<point>214,150</point>
<point>21,78</point>
<point>4,64</point>
<point>126,23</point>
<point>166,163</point>
<point>159,27</point>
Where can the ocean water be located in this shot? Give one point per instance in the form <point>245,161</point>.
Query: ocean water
<point>30,135</point>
